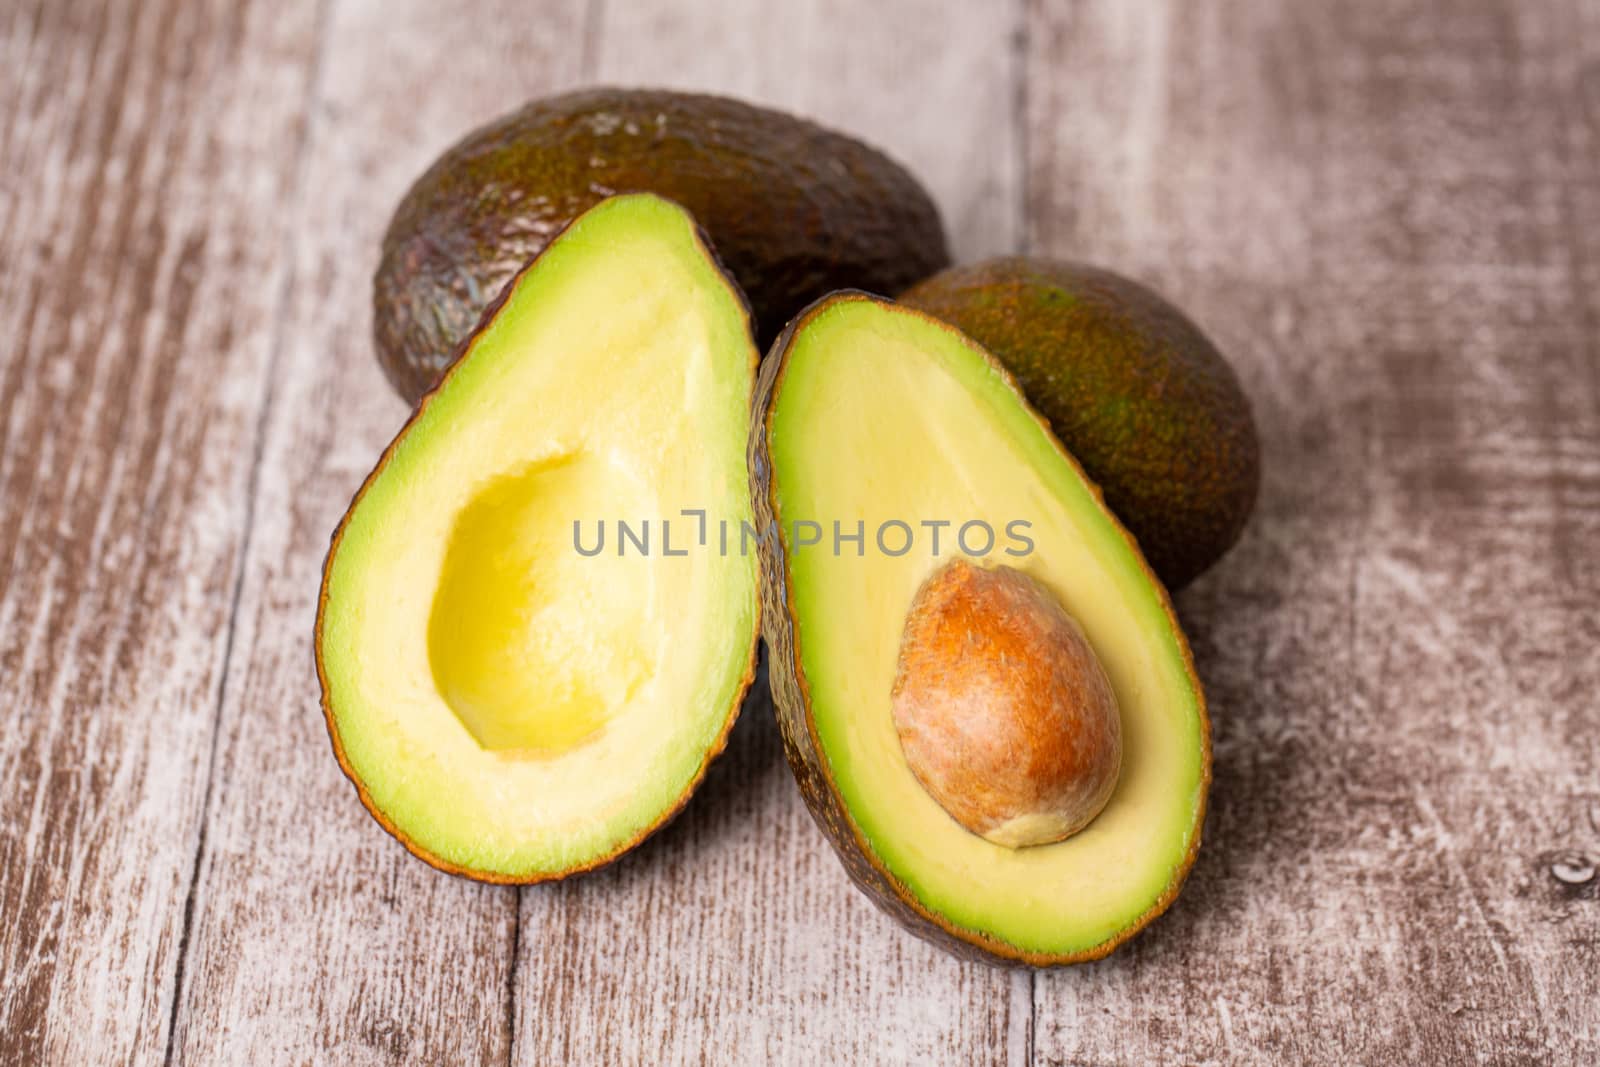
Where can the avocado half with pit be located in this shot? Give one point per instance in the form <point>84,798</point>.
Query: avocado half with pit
<point>984,692</point>
<point>513,701</point>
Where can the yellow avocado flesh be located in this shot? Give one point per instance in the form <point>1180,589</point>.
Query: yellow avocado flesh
<point>509,706</point>
<point>882,415</point>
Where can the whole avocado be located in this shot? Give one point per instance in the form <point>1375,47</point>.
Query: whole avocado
<point>794,211</point>
<point>1133,389</point>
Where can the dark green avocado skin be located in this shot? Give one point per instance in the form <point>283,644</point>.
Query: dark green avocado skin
<point>1140,397</point>
<point>794,211</point>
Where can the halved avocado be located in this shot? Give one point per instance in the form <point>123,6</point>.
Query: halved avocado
<point>509,705</point>
<point>873,414</point>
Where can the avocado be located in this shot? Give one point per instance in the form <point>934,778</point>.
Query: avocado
<point>1132,388</point>
<point>521,686</point>
<point>933,560</point>
<point>794,210</point>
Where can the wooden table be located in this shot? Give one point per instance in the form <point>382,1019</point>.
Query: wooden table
<point>1387,212</point>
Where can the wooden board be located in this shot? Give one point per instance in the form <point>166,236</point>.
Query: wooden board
<point>315,937</point>
<point>338,928</point>
<point>147,153</point>
<point>1388,214</point>
<point>735,937</point>
<point>1375,208</point>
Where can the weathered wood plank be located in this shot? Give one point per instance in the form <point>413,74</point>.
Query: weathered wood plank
<point>735,937</point>
<point>1387,212</point>
<point>315,937</point>
<point>287,975</point>
<point>147,153</point>
<point>937,88</point>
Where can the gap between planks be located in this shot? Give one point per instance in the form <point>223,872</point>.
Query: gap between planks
<point>301,168</point>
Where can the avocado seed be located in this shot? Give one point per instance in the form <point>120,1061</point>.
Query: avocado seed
<point>1003,711</point>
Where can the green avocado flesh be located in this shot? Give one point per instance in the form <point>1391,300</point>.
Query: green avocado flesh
<point>1132,388</point>
<point>880,414</point>
<point>510,707</point>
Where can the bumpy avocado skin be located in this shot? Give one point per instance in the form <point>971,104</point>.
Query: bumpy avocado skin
<point>1133,389</point>
<point>794,210</point>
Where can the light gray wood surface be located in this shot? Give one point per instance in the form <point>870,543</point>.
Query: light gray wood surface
<point>148,154</point>
<point>1387,213</point>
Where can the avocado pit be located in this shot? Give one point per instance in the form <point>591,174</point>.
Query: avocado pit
<point>1003,711</point>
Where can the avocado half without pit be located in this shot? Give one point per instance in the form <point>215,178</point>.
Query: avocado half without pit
<point>508,706</point>
<point>985,696</point>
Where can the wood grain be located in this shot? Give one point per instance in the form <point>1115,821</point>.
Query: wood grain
<point>1388,213</point>
<point>735,937</point>
<point>315,938</point>
<point>1377,210</point>
<point>368,952</point>
<point>936,86</point>
<point>148,149</point>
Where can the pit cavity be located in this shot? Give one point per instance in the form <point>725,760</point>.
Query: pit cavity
<point>534,647</point>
